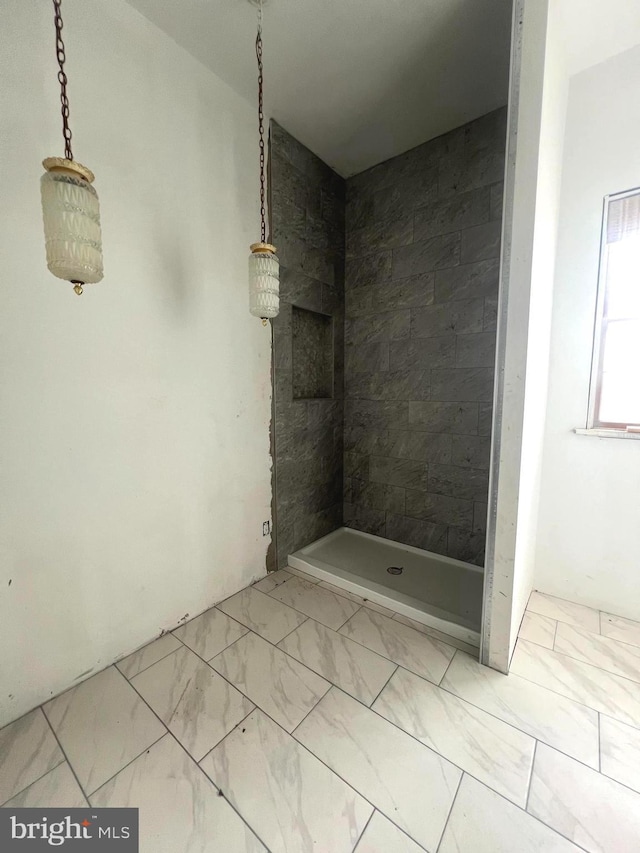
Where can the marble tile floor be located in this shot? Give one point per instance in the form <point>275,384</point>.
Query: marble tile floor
<point>292,718</point>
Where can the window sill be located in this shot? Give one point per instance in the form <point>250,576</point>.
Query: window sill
<point>609,433</point>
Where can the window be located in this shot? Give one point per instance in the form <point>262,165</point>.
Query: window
<point>615,374</point>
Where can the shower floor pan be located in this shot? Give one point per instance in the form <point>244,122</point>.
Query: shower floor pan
<point>437,591</point>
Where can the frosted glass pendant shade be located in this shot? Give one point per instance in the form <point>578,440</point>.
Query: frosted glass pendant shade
<point>264,281</point>
<point>71,214</point>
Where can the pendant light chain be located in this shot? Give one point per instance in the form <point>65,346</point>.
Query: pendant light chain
<point>62,79</point>
<point>263,222</point>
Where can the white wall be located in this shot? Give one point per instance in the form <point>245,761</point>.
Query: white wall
<point>134,420</point>
<point>536,127</point>
<point>588,544</point>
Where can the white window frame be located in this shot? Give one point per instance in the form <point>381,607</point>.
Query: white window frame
<point>595,385</point>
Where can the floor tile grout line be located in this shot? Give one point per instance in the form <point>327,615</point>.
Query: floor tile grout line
<point>359,606</point>
<point>348,784</point>
<point>129,677</point>
<point>587,663</point>
<point>453,802</point>
<point>512,725</point>
<point>366,826</point>
<point>197,763</point>
<point>444,674</point>
<point>63,760</point>
<point>259,707</point>
<point>293,630</point>
<point>424,746</point>
<point>66,757</point>
<point>358,643</point>
<point>332,683</point>
<point>449,641</point>
<point>530,780</point>
<point>130,762</point>
<point>599,744</point>
<point>375,699</point>
<point>603,637</point>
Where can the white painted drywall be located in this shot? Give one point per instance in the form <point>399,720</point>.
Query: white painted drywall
<point>134,420</point>
<point>588,542</point>
<point>536,129</point>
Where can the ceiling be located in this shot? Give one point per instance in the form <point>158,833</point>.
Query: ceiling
<point>357,81</point>
<point>596,30</point>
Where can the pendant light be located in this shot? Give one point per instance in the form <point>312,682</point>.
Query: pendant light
<point>70,207</point>
<point>264,267</point>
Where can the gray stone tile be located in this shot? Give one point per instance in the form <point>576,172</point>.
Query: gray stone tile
<point>481,243</point>
<point>420,446</point>
<point>373,413</point>
<point>313,526</point>
<point>414,291</point>
<point>443,216</point>
<point>360,439</point>
<point>300,290</point>
<point>490,322</point>
<point>462,384</point>
<point>362,358</point>
<point>359,209</point>
<point>485,418</point>
<point>380,496</point>
<point>439,509</point>
<point>475,167</point>
<point>420,534</point>
<point>466,483</point>
<point>356,465</point>
<point>415,186</point>
<point>319,264</point>
<point>467,281</point>
<point>375,328</point>
<point>454,418</point>
<point>376,236</point>
<point>463,317</point>
<point>476,350</point>
<point>426,256</point>
<point>332,298</point>
<point>368,270</point>
<point>466,545</point>
<point>480,516</point>
<point>359,300</point>
<point>390,385</point>
<point>321,413</point>
<point>364,519</point>
<point>497,193</point>
<point>423,352</point>
<point>288,186</point>
<point>406,473</point>
<point>470,451</point>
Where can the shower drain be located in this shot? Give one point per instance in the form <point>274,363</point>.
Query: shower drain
<point>395,570</point>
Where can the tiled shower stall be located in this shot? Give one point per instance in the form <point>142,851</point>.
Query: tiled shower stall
<point>385,344</point>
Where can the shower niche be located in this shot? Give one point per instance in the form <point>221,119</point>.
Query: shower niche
<point>312,354</point>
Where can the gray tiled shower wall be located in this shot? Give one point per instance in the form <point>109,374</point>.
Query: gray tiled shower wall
<point>413,358</point>
<point>307,219</point>
<point>421,286</point>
